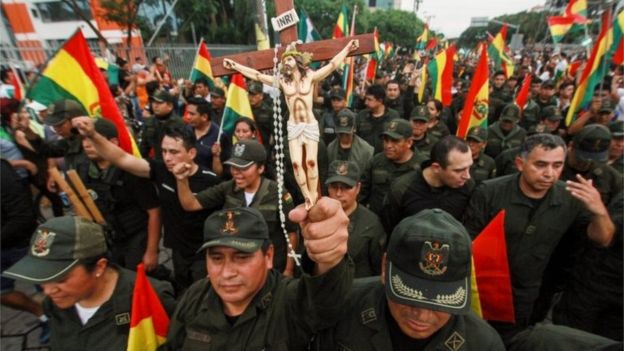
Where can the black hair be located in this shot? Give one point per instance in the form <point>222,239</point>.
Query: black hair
<point>203,106</point>
<point>441,149</point>
<point>544,140</point>
<point>498,73</point>
<point>4,73</point>
<point>182,133</point>
<point>250,122</point>
<point>377,91</point>
<point>90,263</point>
<point>392,81</point>
<point>202,81</point>
<point>437,103</point>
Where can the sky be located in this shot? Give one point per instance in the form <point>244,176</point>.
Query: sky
<point>452,17</point>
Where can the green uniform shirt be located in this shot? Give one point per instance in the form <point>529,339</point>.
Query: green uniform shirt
<point>380,174</point>
<point>263,115</point>
<point>360,152</point>
<point>228,195</point>
<point>498,141</point>
<point>532,231</point>
<point>618,164</point>
<point>109,327</point>
<point>425,144</point>
<point>283,315</point>
<point>483,168</point>
<point>440,130</point>
<point>370,128</point>
<point>364,326</point>
<point>366,242</point>
<point>605,178</point>
<point>154,133</point>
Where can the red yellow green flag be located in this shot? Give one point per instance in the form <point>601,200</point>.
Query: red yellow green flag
<point>492,296</point>
<point>149,321</point>
<point>475,110</point>
<point>498,53</point>
<point>559,26</point>
<point>594,71</point>
<point>423,39</point>
<point>341,29</point>
<point>73,74</point>
<point>201,67</point>
<point>441,73</point>
<point>237,104</point>
<point>423,81</point>
<point>577,9</point>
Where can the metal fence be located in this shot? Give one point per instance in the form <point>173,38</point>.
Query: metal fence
<point>179,57</point>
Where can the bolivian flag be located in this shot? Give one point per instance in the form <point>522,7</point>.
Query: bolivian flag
<point>201,67</point>
<point>341,29</point>
<point>594,71</point>
<point>423,39</point>
<point>475,110</point>
<point>492,297</point>
<point>237,104</point>
<point>73,74</point>
<point>441,73</point>
<point>499,55</point>
<point>148,321</point>
<point>559,26</point>
<point>523,94</point>
<point>577,9</point>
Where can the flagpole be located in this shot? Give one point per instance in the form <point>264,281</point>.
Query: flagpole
<point>195,59</point>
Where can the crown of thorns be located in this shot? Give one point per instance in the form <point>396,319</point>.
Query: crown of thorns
<point>291,50</point>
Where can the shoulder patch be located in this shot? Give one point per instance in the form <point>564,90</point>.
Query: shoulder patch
<point>368,315</point>
<point>122,318</point>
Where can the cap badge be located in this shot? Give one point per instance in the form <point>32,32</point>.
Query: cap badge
<point>434,257</point>
<point>344,121</point>
<point>229,226</point>
<point>392,126</point>
<point>342,169</point>
<point>596,147</point>
<point>50,109</point>
<point>239,149</point>
<point>42,243</point>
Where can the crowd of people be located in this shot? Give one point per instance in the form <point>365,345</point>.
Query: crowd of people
<point>381,262</point>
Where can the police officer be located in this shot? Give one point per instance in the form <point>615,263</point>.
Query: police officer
<point>397,159</point>
<point>423,140</point>
<point>587,155</point>
<point>500,96</point>
<point>348,146</point>
<point>244,304</point>
<point>540,210</point>
<point>88,299</point>
<point>428,256</point>
<point>483,166</point>
<point>217,102</point>
<point>164,117</point>
<point>375,117</point>
<point>366,234</point>
<point>550,122</point>
<point>327,122</point>
<point>128,203</point>
<point>616,149</point>
<point>248,187</point>
<point>262,111</point>
<point>505,133</point>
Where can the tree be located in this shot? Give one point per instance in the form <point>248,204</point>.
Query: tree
<point>124,13</point>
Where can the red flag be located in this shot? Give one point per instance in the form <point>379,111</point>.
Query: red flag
<point>491,267</point>
<point>431,44</point>
<point>523,94</point>
<point>18,87</point>
<point>149,321</point>
<point>447,76</point>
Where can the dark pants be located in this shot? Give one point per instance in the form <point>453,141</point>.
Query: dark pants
<point>187,269</point>
<point>129,252</point>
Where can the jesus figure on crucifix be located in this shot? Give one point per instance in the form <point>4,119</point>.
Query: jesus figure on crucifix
<point>297,82</point>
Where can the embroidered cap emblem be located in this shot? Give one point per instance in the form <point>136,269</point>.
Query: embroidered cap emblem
<point>229,226</point>
<point>239,149</point>
<point>42,243</point>
<point>342,169</point>
<point>455,341</point>
<point>344,121</point>
<point>434,257</point>
<point>392,126</point>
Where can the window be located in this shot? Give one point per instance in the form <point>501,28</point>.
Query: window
<point>58,11</point>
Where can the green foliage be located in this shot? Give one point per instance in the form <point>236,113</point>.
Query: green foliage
<point>400,27</point>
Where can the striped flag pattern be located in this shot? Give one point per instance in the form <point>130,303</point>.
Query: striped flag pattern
<point>201,67</point>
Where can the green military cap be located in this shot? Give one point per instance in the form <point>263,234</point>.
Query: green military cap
<point>255,88</point>
<point>398,129</point>
<point>345,121</point>
<point>245,153</point>
<point>218,92</point>
<point>511,112</point>
<point>428,263</point>
<point>420,113</point>
<point>56,247</point>
<point>617,129</point>
<point>606,106</point>
<point>337,93</point>
<point>161,95</point>
<point>592,143</point>
<point>552,113</point>
<point>346,172</point>
<point>62,110</point>
<point>106,128</point>
<point>477,133</point>
<point>242,228</point>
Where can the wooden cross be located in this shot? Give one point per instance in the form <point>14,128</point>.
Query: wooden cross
<point>322,50</point>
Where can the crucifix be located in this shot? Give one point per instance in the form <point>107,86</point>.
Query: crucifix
<point>297,82</point>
